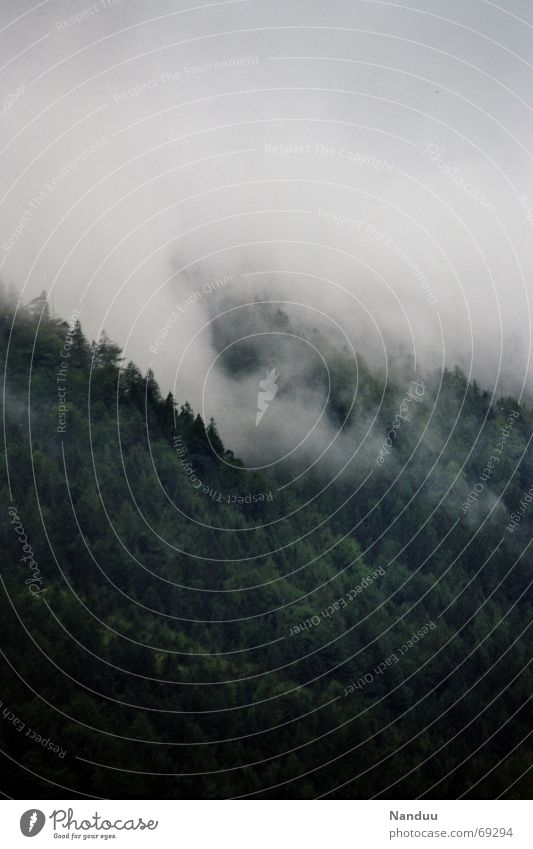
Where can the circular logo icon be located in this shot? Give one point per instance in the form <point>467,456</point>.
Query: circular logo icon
<point>32,822</point>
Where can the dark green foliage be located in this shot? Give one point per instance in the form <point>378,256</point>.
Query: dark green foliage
<point>148,595</point>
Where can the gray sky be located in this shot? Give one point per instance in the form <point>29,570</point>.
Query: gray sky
<point>369,160</point>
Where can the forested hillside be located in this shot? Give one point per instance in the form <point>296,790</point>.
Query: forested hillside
<point>177,626</point>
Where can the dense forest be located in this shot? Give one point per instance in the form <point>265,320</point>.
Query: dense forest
<point>176,626</point>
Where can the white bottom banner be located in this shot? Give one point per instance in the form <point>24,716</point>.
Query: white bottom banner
<point>267,824</point>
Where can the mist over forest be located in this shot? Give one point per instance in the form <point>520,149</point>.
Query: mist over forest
<point>265,338</point>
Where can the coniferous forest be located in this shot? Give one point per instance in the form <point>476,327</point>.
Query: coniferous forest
<point>176,625</point>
